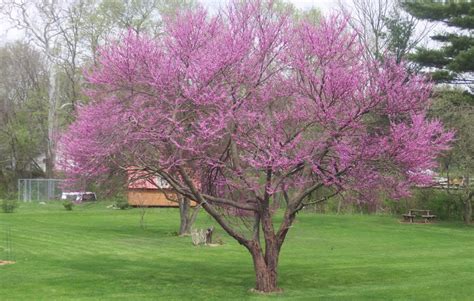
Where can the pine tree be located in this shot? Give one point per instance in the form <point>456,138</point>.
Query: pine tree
<point>454,61</point>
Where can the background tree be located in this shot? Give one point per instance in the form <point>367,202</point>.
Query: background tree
<point>23,111</point>
<point>245,107</point>
<point>68,35</point>
<point>453,62</point>
<point>40,23</point>
<point>384,28</point>
<point>456,108</point>
<point>109,18</point>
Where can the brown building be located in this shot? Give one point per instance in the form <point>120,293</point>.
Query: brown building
<point>150,192</point>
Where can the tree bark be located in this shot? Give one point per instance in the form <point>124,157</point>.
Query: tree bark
<point>209,233</point>
<point>265,268</point>
<point>50,152</point>
<point>187,216</point>
<point>183,214</point>
<point>266,262</point>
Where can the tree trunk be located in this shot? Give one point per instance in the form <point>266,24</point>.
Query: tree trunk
<point>467,211</point>
<point>50,152</point>
<point>187,216</point>
<point>266,263</point>
<point>339,206</point>
<point>209,233</point>
<point>265,268</point>
<point>467,200</point>
<point>183,214</point>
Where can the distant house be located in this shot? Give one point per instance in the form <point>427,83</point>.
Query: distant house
<point>150,191</point>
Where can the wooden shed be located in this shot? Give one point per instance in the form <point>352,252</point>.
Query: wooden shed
<point>150,198</point>
<point>150,191</point>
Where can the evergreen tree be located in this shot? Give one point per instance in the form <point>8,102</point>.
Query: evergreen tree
<point>453,62</point>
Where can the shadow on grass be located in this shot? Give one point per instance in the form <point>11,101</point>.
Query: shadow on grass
<point>167,277</point>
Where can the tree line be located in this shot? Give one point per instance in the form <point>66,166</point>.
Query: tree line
<point>42,73</point>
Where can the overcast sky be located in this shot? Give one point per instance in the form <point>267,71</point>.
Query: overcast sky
<point>326,6</point>
<point>323,5</point>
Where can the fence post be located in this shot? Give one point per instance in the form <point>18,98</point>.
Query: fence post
<point>18,183</point>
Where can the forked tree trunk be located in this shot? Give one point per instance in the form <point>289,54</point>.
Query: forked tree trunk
<point>187,216</point>
<point>266,273</point>
<point>266,262</point>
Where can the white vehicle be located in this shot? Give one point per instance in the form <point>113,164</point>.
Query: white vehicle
<point>79,197</point>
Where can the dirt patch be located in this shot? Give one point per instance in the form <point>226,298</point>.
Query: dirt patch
<point>213,245</point>
<point>277,292</point>
<point>5,262</point>
<point>416,223</point>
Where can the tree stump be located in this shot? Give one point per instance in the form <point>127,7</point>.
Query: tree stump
<point>209,232</point>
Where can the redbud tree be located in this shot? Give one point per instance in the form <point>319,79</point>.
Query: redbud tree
<point>242,108</point>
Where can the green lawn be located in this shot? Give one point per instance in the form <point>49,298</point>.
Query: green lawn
<point>94,253</point>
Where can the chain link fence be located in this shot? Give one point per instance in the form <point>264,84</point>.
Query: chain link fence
<point>37,190</point>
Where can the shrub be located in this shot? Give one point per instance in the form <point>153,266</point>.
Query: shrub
<point>68,205</point>
<point>121,204</point>
<point>9,206</point>
<point>442,204</point>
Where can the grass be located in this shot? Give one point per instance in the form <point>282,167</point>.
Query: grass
<point>94,253</point>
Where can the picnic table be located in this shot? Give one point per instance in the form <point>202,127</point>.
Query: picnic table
<point>413,213</point>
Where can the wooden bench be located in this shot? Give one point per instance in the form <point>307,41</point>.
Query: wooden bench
<point>413,213</point>
<point>409,217</point>
<point>428,217</point>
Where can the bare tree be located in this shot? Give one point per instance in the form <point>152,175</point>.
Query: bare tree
<point>39,22</point>
<point>384,28</point>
